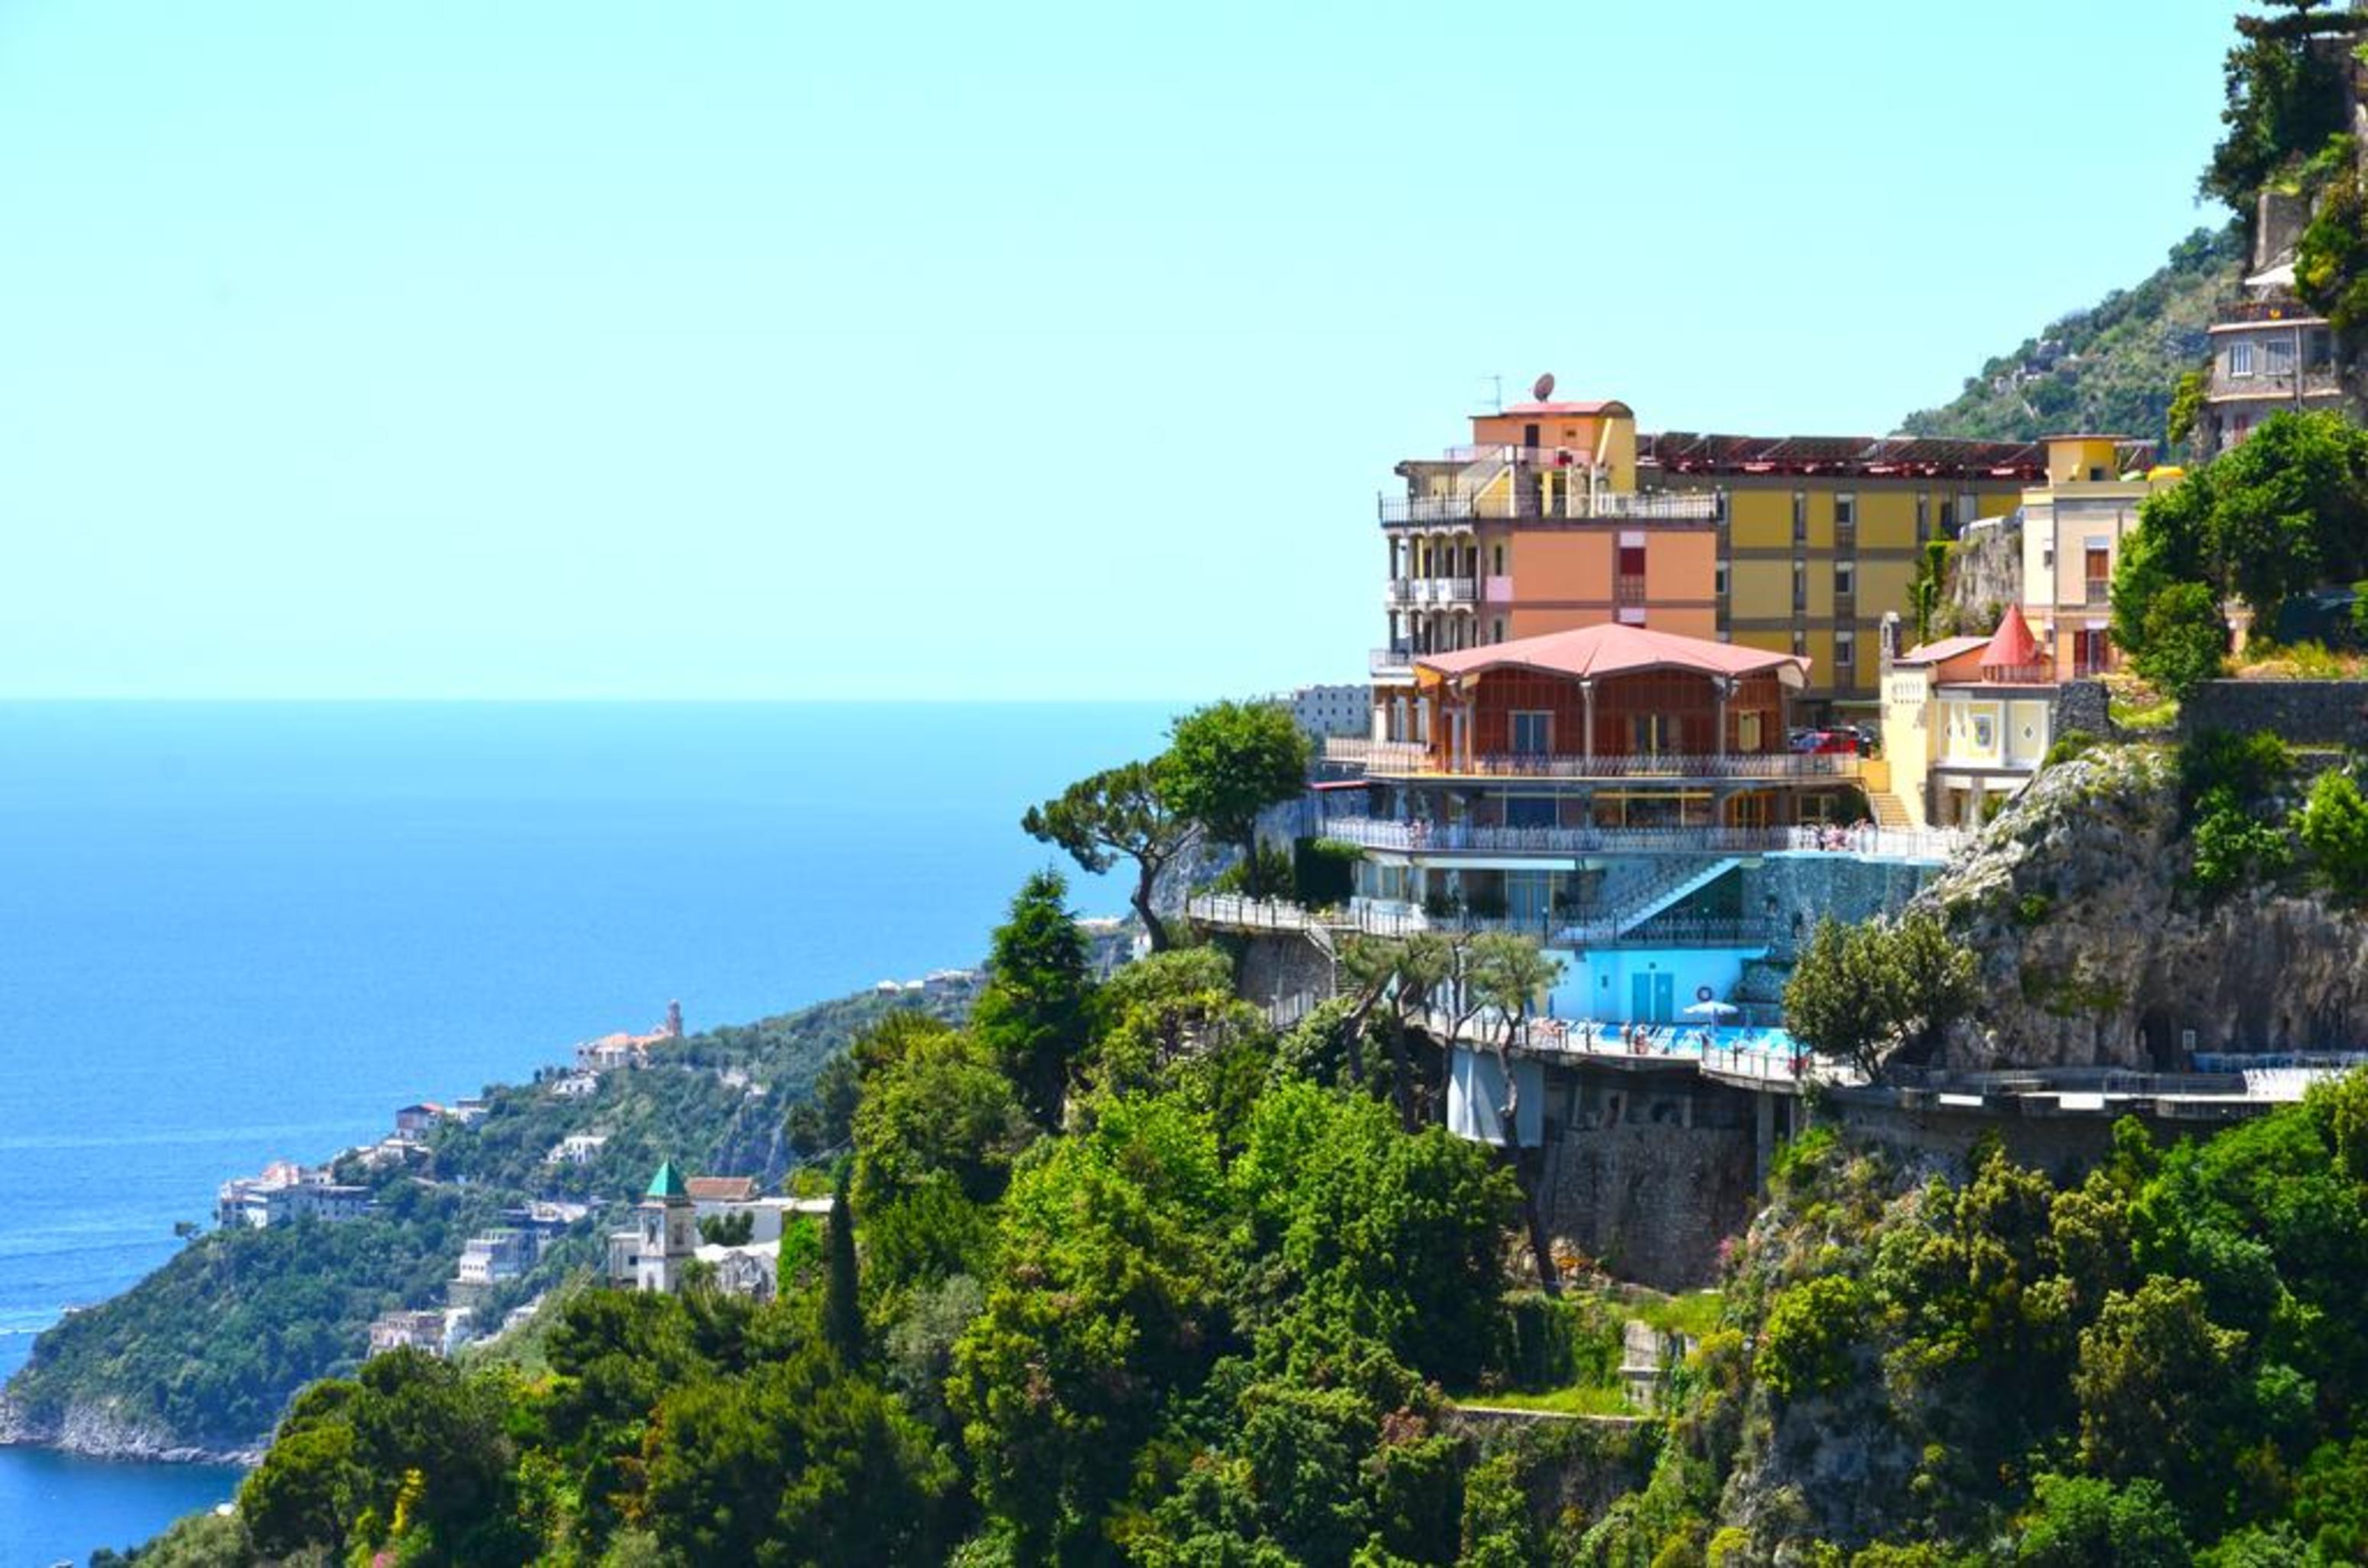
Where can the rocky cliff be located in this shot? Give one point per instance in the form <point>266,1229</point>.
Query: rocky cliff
<point>2095,951</point>
<point>1985,575</point>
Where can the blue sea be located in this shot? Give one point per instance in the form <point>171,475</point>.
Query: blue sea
<point>231,933</point>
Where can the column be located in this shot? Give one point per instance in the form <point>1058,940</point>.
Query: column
<point>1725,688</point>
<point>1587,736</point>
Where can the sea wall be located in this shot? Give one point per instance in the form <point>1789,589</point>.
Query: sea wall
<point>1795,891</point>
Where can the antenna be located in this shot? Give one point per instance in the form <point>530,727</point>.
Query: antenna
<point>1544,387</point>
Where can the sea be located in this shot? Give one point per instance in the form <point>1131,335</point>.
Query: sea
<point>235,933</point>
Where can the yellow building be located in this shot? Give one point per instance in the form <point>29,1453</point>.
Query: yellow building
<point>1967,722</point>
<point>1560,515</point>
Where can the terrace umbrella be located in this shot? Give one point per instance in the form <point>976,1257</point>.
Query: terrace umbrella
<point>1712,1010</point>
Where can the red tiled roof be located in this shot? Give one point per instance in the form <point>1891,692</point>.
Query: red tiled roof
<point>1940,653</point>
<point>1595,652</point>
<point>722,1189</point>
<point>2013,647</point>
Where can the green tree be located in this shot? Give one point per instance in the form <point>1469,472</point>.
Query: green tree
<point>2283,99</point>
<point>2333,826</point>
<point>825,1119</point>
<point>1120,814</point>
<point>944,1104</point>
<point>842,1311</point>
<point>1032,1016</point>
<point>1109,1292</point>
<point>796,1461</point>
<point>1227,762</point>
<point>2186,638</point>
<point>2156,1382</point>
<point>1396,981</point>
<point>1859,991</point>
<point>2081,1522</point>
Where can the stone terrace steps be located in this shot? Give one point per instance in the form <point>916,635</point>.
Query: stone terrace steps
<point>1890,810</point>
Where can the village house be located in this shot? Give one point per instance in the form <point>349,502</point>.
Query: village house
<point>577,1149</point>
<point>285,1192</point>
<point>613,1052</point>
<point>434,1332</point>
<point>1967,722</point>
<point>663,1240</point>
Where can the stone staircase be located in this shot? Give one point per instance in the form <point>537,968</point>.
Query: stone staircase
<point>1890,810</point>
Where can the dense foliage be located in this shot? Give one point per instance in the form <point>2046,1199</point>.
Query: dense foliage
<point>1858,992</point>
<point>207,1351</point>
<point>2284,512</point>
<point>2114,367</point>
<point>1115,1273</point>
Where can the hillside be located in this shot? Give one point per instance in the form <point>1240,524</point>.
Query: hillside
<point>203,1354</point>
<point>2112,366</point>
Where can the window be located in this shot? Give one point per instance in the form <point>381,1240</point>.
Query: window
<point>1718,579</point>
<point>1631,561</point>
<point>1846,510</point>
<point>1497,558</point>
<point>1747,731</point>
<point>2322,346</point>
<point>1800,587</point>
<point>1845,650</point>
<point>1923,516</point>
<point>1650,734</point>
<point>1532,733</point>
<point>2277,357</point>
<point>1800,517</point>
<point>1985,732</point>
<point>1845,577</point>
<point>1529,810</point>
<point>1800,643</point>
<point>1497,629</point>
<point>1632,615</point>
<point>2240,357</point>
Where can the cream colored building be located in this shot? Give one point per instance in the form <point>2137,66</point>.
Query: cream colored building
<point>1966,721</point>
<point>2072,534</point>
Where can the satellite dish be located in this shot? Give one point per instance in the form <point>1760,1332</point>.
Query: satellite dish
<point>1542,388</point>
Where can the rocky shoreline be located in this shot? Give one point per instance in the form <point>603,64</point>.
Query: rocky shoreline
<point>98,1432</point>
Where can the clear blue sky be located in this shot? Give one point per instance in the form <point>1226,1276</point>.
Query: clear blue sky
<point>725,350</point>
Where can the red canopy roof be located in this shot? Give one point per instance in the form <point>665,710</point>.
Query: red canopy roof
<point>1591,653</point>
<point>2013,647</point>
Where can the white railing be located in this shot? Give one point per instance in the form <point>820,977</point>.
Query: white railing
<point>1430,591</point>
<point>1374,833</point>
<point>1400,754</point>
<point>1520,499</point>
<point>1390,661</point>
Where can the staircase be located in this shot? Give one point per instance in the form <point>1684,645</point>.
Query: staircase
<point>1890,810</point>
<point>1636,890</point>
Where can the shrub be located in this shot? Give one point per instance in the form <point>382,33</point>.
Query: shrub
<point>1811,1329</point>
<point>2250,767</point>
<point>2186,638</point>
<point>2068,745</point>
<point>1324,872</point>
<point>2333,826</point>
<point>2232,846</point>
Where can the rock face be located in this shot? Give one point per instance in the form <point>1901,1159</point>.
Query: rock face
<point>95,1431</point>
<point>1985,574</point>
<point>2094,953</point>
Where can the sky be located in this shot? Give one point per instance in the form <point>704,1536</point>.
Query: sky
<point>792,350</point>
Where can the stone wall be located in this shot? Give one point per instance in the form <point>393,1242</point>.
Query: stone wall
<point>2086,706</point>
<point>1795,890</point>
<point>2307,712</point>
<point>1268,970</point>
<point>1648,1171</point>
<point>1985,576</point>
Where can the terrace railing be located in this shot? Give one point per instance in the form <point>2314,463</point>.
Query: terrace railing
<point>1575,502</point>
<point>1402,756</point>
<point>1375,833</point>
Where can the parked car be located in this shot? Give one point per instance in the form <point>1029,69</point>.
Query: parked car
<point>1842,742</point>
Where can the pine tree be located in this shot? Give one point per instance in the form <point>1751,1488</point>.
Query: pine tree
<point>842,1305</point>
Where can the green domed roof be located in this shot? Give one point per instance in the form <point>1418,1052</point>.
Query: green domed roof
<point>667,1183</point>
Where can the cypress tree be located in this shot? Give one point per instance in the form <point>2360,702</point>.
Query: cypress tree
<point>842,1310</point>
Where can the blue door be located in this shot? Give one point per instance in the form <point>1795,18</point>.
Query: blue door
<point>1652,998</point>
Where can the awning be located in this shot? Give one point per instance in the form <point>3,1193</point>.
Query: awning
<point>1342,784</point>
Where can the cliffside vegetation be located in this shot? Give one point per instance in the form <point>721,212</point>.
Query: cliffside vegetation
<point>2115,365</point>
<point>206,1352</point>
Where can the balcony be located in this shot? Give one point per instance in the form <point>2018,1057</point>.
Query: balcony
<point>1451,838</point>
<point>1521,500</point>
<point>2315,380</point>
<point>2099,591</point>
<point>2257,312</point>
<point>1628,588</point>
<point>1391,662</point>
<point>1407,758</point>
<point>1419,592</point>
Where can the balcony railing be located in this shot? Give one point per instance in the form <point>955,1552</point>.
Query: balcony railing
<point>1423,837</point>
<point>2315,382</point>
<point>1432,591</point>
<point>1521,499</point>
<point>2293,313</point>
<point>1401,757</point>
<point>1628,588</point>
<point>1390,661</point>
<point>2099,590</point>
